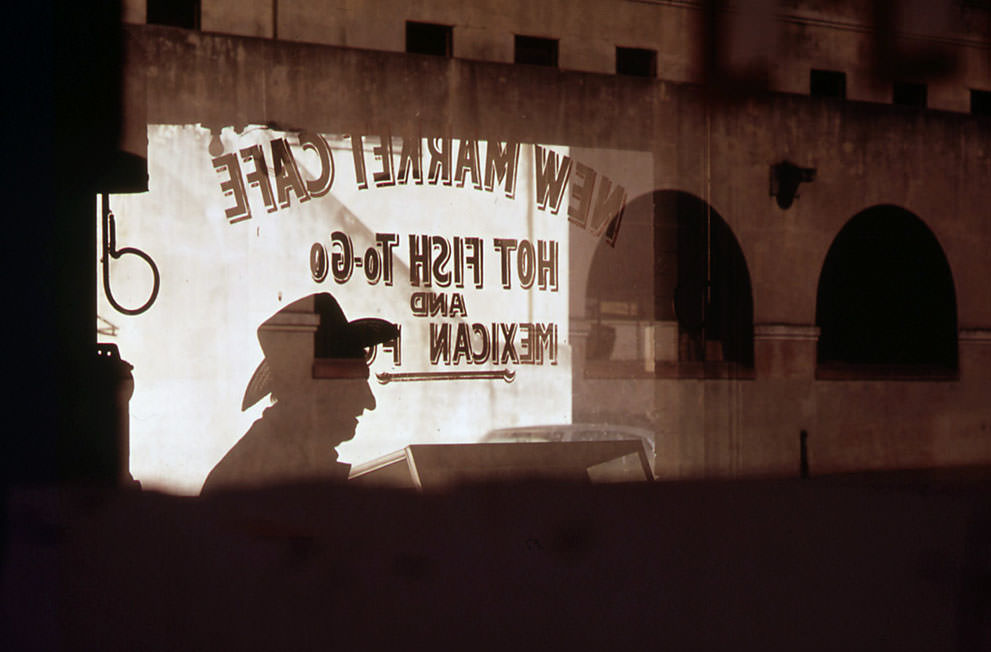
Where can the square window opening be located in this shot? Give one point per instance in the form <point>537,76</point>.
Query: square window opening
<point>173,13</point>
<point>909,94</point>
<point>428,38</point>
<point>535,51</point>
<point>637,62</point>
<point>827,83</point>
<point>980,102</point>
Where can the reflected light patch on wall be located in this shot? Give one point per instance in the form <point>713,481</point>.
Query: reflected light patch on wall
<point>233,254</point>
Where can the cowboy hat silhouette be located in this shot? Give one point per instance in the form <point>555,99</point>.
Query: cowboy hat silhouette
<point>339,346</point>
<point>315,368</point>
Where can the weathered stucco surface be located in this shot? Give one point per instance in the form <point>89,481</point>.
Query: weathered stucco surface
<point>936,165</point>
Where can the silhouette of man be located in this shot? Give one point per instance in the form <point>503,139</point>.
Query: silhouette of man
<point>315,369</point>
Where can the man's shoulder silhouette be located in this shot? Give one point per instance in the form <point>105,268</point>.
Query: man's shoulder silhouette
<point>266,455</point>
<point>315,368</point>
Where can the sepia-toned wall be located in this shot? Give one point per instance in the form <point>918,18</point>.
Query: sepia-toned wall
<point>932,163</point>
<point>788,37</point>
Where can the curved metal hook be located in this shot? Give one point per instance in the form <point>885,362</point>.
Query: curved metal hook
<point>110,251</point>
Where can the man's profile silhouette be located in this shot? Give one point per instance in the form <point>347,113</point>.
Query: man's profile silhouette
<point>315,369</point>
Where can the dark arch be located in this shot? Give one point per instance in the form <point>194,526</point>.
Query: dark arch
<point>886,294</point>
<point>676,259</point>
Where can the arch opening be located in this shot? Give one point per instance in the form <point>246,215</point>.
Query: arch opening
<point>886,298</point>
<point>675,288</point>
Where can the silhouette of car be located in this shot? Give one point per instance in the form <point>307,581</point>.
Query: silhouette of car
<point>580,432</point>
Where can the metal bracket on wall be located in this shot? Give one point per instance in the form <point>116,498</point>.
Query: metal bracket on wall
<point>110,251</point>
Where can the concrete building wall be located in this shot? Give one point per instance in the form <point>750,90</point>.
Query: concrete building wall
<point>244,18</point>
<point>796,35</point>
<point>934,164</point>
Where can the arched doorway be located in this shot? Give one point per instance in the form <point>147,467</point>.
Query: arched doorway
<point>886,301</point>
<point>679,272</point>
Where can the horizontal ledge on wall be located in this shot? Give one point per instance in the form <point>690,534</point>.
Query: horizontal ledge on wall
<point>791,332</point>
<point>663,369</point>
<point>980,335</point>
<point>884,372</point>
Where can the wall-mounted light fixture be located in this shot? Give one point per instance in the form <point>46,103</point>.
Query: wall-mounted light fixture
<point>785,177</point>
